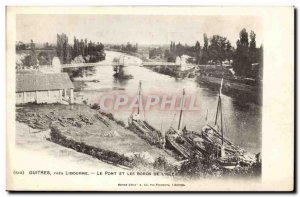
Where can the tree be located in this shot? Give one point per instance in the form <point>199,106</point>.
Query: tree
<point>91,52</point>
<point>59,47</point>
<point>197,46</point>
<point>205,55</point>
<point>229,51</point>
<point>217,48</point>
<point>166,54</point>
<point>174,49</point>
<point>46,45</point>
<point>75,48</point>
<point>252,48</point>
<point>156,52</point>
<point>247,58</point>
<point>241,57</point>
<point>197,51</point>
<point>260,54</point>
<point>63,48</point>
<point>252,40</point>
<point>244,38</point>
<point>20,46</point>
<point>205,39</point>
<point>32,45</point>
<point>44,58</point>
<point>81,47</point>
<point>32,59</point>
<point>85,48</point>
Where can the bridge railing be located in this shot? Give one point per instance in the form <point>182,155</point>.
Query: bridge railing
<point>77,65</point>
<point>160,64</point>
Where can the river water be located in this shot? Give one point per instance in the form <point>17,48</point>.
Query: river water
<point>242,121</point>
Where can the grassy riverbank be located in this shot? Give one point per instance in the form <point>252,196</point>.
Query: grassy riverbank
<point>77,131</point>
<point>173,71</point>
<point>244,93</point>
<point>246,90</point>
<point>79,125</point>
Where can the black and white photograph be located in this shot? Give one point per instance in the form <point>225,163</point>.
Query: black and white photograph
<point>176,97</point>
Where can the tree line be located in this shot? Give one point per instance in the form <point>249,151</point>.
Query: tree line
<point>128,48</point>
<point>246,59</point>
<point>88,51</point>
<point>215,50</point>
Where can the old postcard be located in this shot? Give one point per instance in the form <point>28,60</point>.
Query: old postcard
<point>150,98</point>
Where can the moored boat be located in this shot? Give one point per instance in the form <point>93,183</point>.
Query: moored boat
<point>178,141</point>
<point>175,142</point>
<point>142,128</point>
<point>228,155</point>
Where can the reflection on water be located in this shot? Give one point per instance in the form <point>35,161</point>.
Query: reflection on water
<point>242,121</point>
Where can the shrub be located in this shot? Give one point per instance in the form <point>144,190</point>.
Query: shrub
<point>160,163</point>
<point>96,106</point>
<point>110,116</point>
<point>116,158</point>
<point>120,122</point>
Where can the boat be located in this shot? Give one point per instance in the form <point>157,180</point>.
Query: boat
<point>142,128</point>
<point>195,139</point>
<point>228,155</point>
<point>177,141</point>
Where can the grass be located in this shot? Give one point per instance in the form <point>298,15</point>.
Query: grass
<point>110,136</point>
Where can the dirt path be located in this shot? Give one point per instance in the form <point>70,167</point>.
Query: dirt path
<point>36,140</point>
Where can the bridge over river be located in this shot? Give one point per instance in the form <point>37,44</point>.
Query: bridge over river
<point>113,64</point>
<point>85,65</point>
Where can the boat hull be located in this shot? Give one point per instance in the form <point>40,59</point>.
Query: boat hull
<point>144,130</point>
<point>180,144</point>
<point>212,136</point>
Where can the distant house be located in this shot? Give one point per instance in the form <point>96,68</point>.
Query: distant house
<point>182,61</point>
<point>227,63</point>
<point>44,88</point>
<point>254,66</point>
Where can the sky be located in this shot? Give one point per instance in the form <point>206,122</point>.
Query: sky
<point>142,29</point>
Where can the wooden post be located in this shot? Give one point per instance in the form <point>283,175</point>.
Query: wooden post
<point>60,96</point>
<point>71,96</point>
<point>49,98</point>
<point>65,93</point>
<point>37,96</point>
<point>24,97</point>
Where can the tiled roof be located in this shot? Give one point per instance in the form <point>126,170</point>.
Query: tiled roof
<point>41,81</point>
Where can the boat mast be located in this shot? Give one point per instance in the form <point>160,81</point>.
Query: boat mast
<point>140,87</point>
<point>219,109</point>
<point>183,93</point>
<point>221,122</point>
<point>219,102</point>
<point>221,112</point>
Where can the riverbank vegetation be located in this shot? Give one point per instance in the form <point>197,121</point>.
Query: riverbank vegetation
<point>81,51</point>
<point>128,48</point>
<point>97,134</point>
<point>245,60</point>
<point>33,55</point>
<point>205,167</point>
<point>92,132</point>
